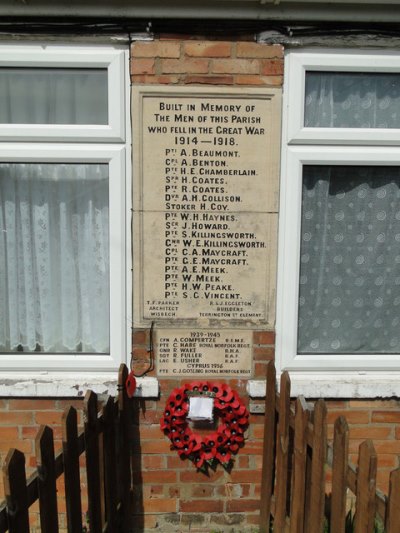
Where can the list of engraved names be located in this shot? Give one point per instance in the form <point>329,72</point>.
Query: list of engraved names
<point>203,217</point>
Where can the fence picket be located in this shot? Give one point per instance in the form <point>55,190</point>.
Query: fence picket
<point>318,458</point>
<point>91,429</point>
<point>14,479</point>
<point>71,470</point>
<point>124,433</point>
<point>366,488</point>
<point>110,466</point>
<point>392,521</point>
<point>339,475</point>
<point>282,455</point>
<point>299,467</point>
<point>267,478</point>
<point>46,467</point>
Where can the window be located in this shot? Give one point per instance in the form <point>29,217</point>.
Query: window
<point>339,254</point>
<point>63,191</point>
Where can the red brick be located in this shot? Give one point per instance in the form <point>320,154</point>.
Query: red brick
<point>193,476</point>
<point>16,418</point>
<point>153,462</point>
<point>272,67</point>
<point>139,337</point>
<point>143,66</point>
<point>264,337</point>
<point>201,506</point>
<point>260,370</point>
<point>374,404</point>
<point>150,432</point>
<point>202,491</point>
<point>189,66</point>
<point>157,476</point>
<point>174,461</point>
<point>370,432</point>
<point>50,418</point>
<point>209,80</point>
<point>156,446</point>
<point>156,49</point>
<point>251,79</point>
<point>25,446</point>
<point>390,446</point>
<point>256,50</point>
<point>388,417</point>
<point>235,66</point>
<point>29,404</point>
<point>352,417</point>
<point>160,80</point>
<point>159,505</point>
<point>245,476</point>
<point>242,505</point>
<point>263,353</point>
<point>9,433</point>
<point>207,49</point>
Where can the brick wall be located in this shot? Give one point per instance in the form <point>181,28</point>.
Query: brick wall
<point>170,495</point>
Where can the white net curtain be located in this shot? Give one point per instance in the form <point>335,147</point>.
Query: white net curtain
<point>349,287</point>
<point>54,257</point>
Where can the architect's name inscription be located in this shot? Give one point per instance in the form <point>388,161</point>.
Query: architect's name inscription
<point>208,353</point>
<point>204,214</point>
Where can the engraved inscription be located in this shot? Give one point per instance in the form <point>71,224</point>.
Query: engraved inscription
<point>205,353</point>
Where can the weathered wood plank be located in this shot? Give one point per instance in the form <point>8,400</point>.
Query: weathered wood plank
<point>339,475</point>
<point>366,488</point>
<point>392,522</point>
<point>299,467</point>
<point>14,479</point>
<point>110,462</point>
<point>282,448</point>
<point>269,445</point>
<point>71,470</point>
<point>44,446</point>
<point>91,431</point>
<point>315,518</point>
<point>124,433</point>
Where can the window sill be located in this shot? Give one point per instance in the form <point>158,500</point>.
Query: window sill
<point>336,385</point>
<point>69,384</point>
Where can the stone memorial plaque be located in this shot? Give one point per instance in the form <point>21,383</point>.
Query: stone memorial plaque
<point>204,353</point>
<point>203,210</point>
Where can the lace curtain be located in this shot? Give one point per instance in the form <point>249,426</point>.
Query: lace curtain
<point>54,257</point>
<point>53,96</point>
<point>349,300</point>
<point>352,100</point>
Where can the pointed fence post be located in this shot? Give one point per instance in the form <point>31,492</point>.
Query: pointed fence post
<point>46,467</point>
<point>124,433</point>
<point>392,521</point>
<point>315,517</point>
<point>91,429</point>
<point>339,475</point>
<point>268,467</point>
<point>282,454</point>
<point>299,468</point>
<point>110,462</point>
<point>366,488</point>
<point>71,470</point>
<point>14,478</point>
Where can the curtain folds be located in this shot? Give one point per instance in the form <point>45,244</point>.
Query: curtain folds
<point>54,257</point>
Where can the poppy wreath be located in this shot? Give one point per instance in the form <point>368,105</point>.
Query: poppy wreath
<point>220,445</point>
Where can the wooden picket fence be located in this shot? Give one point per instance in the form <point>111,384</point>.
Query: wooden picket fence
<point>105,442</point>
<point>295,496</point>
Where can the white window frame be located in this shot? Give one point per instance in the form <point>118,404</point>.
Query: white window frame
<point>115,157</point>
<point>71,56</point>
<point>297,63</point>
<point>338,375</point>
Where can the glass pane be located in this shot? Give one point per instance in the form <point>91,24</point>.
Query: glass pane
<point>352,100</point>
<point>53,96</point>
<point>54,258</point>
<point>349,292</point>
